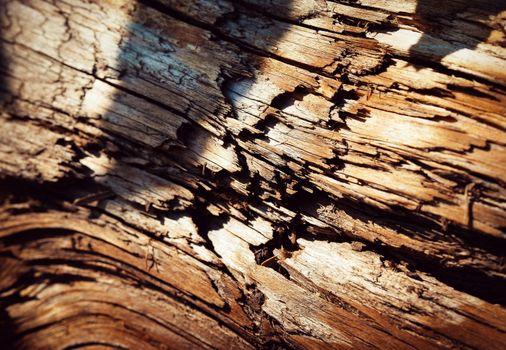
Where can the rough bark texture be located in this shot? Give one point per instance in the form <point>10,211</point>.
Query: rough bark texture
<point>253,174</point>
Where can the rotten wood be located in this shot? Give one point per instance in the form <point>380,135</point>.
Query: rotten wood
<point>253,174</point>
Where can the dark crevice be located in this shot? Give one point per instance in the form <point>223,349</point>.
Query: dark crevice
<point>266,329</point>
<point>206,221</point>
<point>287,99</point>
<point>466,279</point>
<point>419,63</point>
<point>8,328</point>
<point>472,91</point>
<point>94,344</point>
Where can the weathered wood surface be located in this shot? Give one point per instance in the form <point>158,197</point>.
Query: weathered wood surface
<point>253,174</point>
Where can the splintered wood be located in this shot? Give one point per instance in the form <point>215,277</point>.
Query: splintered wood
<point>251,174</point>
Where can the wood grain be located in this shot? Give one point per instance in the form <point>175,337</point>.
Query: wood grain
<point>253,174</point>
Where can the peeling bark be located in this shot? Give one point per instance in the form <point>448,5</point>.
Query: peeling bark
<point>253,174</point>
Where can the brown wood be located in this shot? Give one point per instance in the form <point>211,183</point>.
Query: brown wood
<point>303,174</point>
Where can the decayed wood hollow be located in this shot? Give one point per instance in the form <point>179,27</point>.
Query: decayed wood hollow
<point>251,174</point>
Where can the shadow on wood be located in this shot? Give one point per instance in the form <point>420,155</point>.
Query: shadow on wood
<point>442,25</point>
